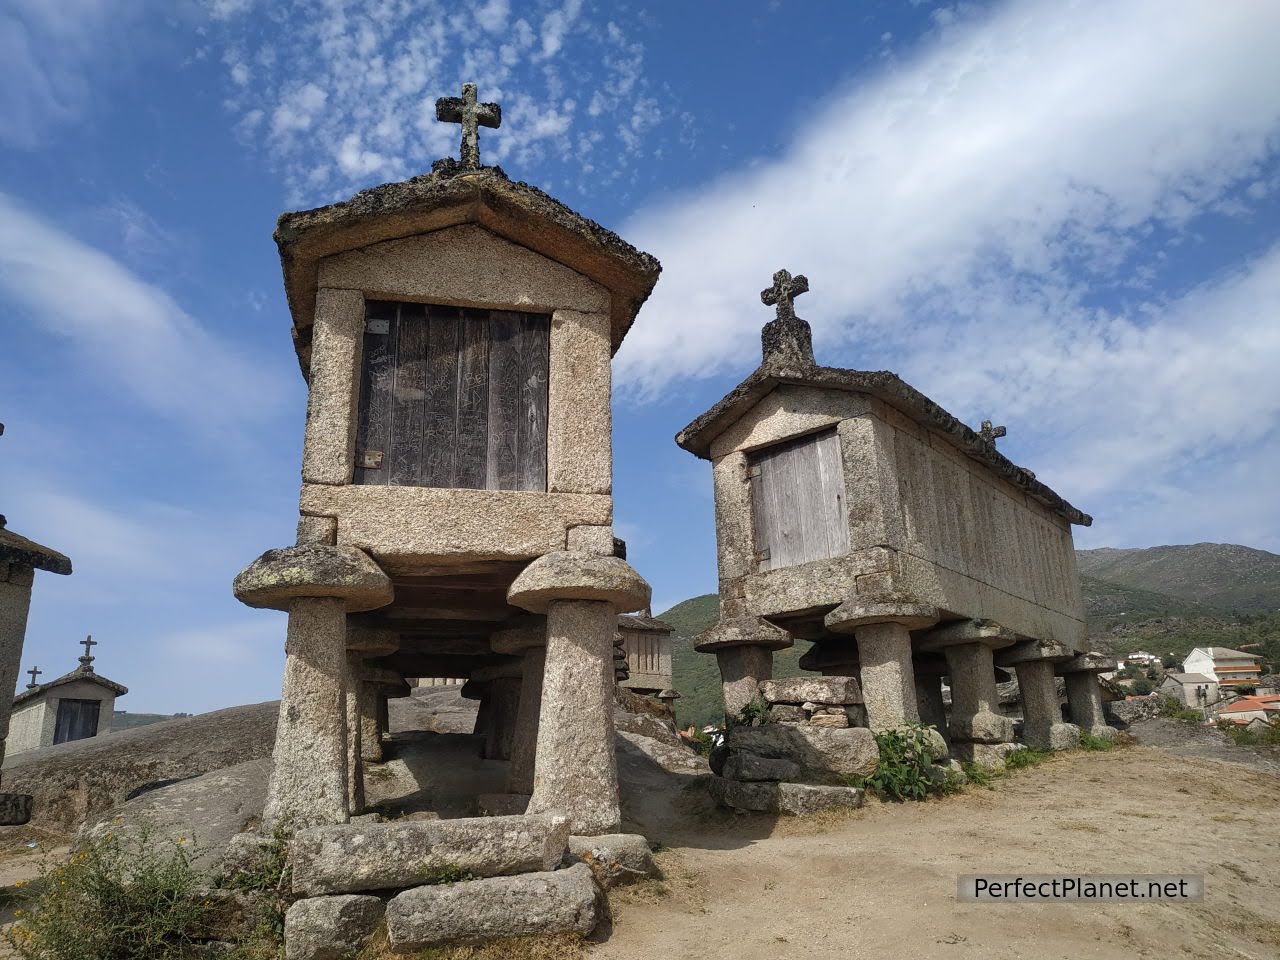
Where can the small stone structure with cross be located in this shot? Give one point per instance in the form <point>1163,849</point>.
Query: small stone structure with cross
<point>854,512</point>
<point>456,520</point>
<point>74,706</point>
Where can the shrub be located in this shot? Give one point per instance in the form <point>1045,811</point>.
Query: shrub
<point>1172,707</point>
<point>269,877</point>
<point>979,775</point>
<point>1248,738</point>
<point>140,901</point>
<point>1089,742</point>
<point>1142,686</point>
<point>904,767</point>
<point>1021,759</point>
<point>754,714</point>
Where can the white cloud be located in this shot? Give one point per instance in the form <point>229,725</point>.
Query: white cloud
<point>349,88</point>
<point>961,215</point>
<point>131,333</point>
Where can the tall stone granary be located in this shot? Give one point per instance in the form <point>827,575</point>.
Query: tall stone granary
<point>854,512</point>
<point>455,331</point>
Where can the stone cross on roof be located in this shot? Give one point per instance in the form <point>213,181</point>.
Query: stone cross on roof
<point>783,293</point>
<point>87,660</point>
<point>472,115</point>
<point>990,433</point>
<point>786,340</point>
<point>34,672</point>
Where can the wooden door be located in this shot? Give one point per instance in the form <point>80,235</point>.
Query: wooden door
<point>451,397</point>
<point>76,720</point>
<point>797,501</point>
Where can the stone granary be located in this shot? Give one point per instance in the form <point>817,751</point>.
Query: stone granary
<point>854,512</point>
<point>75,706</point>
<point>646,643</point>
<point>455,331</point>
<point>20,558</point>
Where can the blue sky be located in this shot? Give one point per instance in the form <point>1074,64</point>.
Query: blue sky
<point>1062,216</point>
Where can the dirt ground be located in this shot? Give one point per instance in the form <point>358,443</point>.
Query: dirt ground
<point>881,882</point>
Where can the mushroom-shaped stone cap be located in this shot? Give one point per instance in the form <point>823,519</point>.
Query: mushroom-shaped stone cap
<point>570,575</point>
<point>279,577</point>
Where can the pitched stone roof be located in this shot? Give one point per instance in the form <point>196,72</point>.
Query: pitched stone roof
<point>697,437</point>
<point>18,549</point>
<point>635,621</point>
<point>78,675</point>
<point>449,195</point>
<point>1190,678</point>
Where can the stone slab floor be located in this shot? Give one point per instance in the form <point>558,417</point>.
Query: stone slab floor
<point>880,882</point>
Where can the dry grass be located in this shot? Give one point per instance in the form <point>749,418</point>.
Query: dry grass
<point>1078,825</point>
<point>560,946</point>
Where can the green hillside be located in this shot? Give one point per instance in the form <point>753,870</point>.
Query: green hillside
<point>1226,576</point>
<point>695,674</point>
<point>1162,599</point>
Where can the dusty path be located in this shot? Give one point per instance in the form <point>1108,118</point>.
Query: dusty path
<point>881,883</point>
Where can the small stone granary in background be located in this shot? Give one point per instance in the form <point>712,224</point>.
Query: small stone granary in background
<point>646,647</point>
<point>20,558</point>
<point>456,332</point>
<point>75,706</point>
<point>854,512</point>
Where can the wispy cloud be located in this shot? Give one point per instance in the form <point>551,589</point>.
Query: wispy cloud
<point>963,215</point>
<point>46,51</point>
<point>341,94</point>
<point>130,332</point>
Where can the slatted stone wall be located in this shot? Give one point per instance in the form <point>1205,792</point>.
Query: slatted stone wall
<point>453,397</point>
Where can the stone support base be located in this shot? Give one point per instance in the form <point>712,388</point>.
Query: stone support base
<point>370,729</point>
<point>742,670</point>
<point>1084,701</point>
<point>355,753</point>
<point>975,701</point>
<point>575,770</point>
<point>989,755</point>
<point>524,744</point>
<point>888,681</point>
<point>1042,725</point>
<point>308,783</point>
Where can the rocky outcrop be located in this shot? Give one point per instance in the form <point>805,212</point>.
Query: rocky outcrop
<point>75,782</point>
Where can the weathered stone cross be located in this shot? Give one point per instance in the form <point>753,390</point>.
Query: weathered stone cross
<point>472,115</point>
<point>784,291</point>
<point>990,433</point>
<point>87,643</point>
<point>34,672</point>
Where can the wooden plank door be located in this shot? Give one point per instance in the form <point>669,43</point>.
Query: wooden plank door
<point>453,397</point>
<point>797,501</point>
<point>76,720</point>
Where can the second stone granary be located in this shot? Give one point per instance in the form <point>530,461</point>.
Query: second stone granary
<point>854,512</point>
<point>455,331</point>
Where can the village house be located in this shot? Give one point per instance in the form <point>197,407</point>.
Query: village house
<point>1245,710</point>
<point>76,706</point>
<point>854,512</point>
<point>1227,667</point>
<point>1194,689</point>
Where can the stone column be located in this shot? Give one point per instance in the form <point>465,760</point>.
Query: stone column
<point>500,682</point>
<point>977,730</point>
<point>882,631</point>
<point>370,729</point>
<point>15,602</point>
<point>318,585</point>
<point>528,640</point>
<point>1042,725</point>
<point>744,648</point>
<point>308,784</point>
<point>355,752</point>
<point>1084,696</point>
<point>368,642</point>
<point>575,771</point>
<point>929,671</point>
